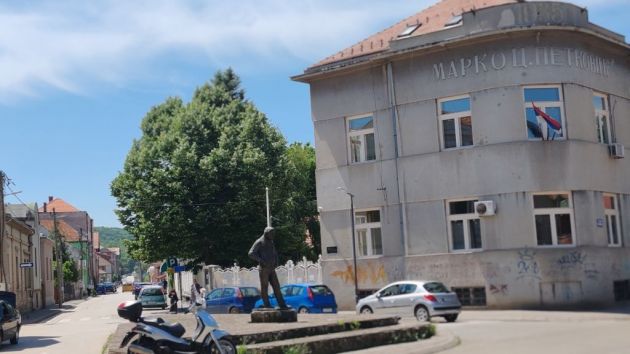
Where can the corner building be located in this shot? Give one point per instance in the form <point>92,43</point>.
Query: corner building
<point>483,142</point>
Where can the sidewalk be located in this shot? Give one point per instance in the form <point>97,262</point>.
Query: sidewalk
<point>40,315</point>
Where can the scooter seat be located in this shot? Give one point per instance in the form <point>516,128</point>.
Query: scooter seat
<point>153,321</point>
<point>175,329</point>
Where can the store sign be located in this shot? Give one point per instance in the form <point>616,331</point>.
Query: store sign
<point>522,58</point>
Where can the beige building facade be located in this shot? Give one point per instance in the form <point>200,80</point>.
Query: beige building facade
<point>483,148</point>
<point>15,274</point>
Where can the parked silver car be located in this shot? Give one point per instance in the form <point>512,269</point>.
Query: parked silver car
<point>423,299</point>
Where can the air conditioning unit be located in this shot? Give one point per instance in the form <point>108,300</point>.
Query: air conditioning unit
<point>616,150</point>
<point>485,208</point>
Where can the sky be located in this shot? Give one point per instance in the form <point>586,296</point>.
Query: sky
<point>77,77</point>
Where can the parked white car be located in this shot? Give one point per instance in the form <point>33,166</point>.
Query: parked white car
<point>423,299</point>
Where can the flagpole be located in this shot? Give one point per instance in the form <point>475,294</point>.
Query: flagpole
<point>267,199</point>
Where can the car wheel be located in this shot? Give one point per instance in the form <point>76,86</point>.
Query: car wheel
<point>163,307</point>
<point>303,310</point>
<point>366,310</point>
<point>450,318</point>
<point>234,310</point>
<point>422,314</point>
<point>16,337</point>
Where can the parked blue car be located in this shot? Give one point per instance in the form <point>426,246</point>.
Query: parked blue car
<point>306,298</point>
<point>232,300</point>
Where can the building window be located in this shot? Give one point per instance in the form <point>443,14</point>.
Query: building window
<point>463,225</point>
<point>471,296</point>
<point>621,290</point>
<point>368,232</point>
<point>455,122</point>
<point>544,113</point>
<point>602,118</point>
<point>361,139</point>
<point>611,212</point>
<point>553,215</point>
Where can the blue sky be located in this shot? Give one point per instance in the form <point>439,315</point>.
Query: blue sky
<point>77,77</point>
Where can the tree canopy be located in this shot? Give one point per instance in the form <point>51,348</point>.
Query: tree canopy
<point>193,186</point>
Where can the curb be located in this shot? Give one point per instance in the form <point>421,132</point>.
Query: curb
<point>441,341</point>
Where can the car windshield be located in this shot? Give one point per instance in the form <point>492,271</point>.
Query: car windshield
<point>436,287</point>
<point>320,290</point>
<point>151,291</point>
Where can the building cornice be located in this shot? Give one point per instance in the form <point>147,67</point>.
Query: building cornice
<point>475,29</point>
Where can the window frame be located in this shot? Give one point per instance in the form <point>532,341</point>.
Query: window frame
<point>361,133</point>
<point>552,212</point>
<point>465,218</point>
<point>606,112</point>
<point>612,212</point>
<point>368,238</point>
<point>457,116</point>
<point>543,105</point>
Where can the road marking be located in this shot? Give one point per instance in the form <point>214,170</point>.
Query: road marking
<point>85,319</point>
<point>65,320</point>
<point>106,318</point>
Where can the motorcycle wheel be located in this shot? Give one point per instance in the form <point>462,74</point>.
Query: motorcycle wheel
<point>145,343</point>
<point>227,346</point>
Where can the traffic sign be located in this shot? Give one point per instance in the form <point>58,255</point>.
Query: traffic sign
<point>26,265</point>
<point>172,262</point>
<point>180,268</point>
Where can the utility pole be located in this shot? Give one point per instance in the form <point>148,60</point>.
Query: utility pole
<point>2,219</point>
<point>59,243</point>
<point>81,260</point>
<point>267,203</point>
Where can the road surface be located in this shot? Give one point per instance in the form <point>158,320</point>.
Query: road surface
<point>83,329</point>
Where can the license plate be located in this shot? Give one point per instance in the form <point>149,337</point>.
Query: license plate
<point>327,309</point>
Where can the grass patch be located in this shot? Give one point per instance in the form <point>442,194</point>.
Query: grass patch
<point>105,347</point>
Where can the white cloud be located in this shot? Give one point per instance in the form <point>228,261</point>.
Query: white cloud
<point>70,45</point>
<point>67,45</point>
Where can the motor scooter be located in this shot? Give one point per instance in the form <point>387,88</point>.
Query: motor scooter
<point>155,336</point>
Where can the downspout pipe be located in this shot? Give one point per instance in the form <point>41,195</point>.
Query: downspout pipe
<point>391,93</point>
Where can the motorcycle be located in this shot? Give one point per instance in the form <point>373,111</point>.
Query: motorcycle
<point>155,336</point>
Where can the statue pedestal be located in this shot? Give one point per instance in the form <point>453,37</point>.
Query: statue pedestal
<point>266,315</point>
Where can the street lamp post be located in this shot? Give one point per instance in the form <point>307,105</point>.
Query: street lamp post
<point>354,248</point>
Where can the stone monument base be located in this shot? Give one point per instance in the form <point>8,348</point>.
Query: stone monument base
<point>266,315</point>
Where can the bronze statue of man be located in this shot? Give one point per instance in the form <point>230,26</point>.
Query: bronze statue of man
<point>264,252</point>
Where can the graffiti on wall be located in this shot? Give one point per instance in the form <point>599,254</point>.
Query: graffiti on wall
<point>527,265</point>
<point>372,273</point>
<point>571,260</point>
<point>499,289</point>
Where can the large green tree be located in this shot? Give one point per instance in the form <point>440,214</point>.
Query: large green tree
<point>193,186</point>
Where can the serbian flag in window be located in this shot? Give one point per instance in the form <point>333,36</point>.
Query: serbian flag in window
<point>546,122</point>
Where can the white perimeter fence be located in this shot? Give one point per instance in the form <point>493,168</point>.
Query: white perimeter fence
<point>212,277</point>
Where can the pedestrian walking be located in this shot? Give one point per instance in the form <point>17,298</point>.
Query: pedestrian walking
<point>174,299</point>
<point>202,298</point>
<point>195,289</point>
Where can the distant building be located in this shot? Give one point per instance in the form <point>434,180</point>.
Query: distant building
<point>483,142</point>
<point>16,274</point>
<point>28,214</point>
<point>79,235</point>
<point>104,268</point>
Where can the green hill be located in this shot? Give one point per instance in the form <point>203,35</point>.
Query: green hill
<point>113,237</point>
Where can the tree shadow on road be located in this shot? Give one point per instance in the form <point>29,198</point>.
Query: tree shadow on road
<point>30,342</point>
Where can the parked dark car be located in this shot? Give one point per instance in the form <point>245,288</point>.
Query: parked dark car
<point>306,298</point>
<point>109,287</point>
<point>10,322</point>
<point>100,289</point>
<point>232,300</point>
<point>137,287</point>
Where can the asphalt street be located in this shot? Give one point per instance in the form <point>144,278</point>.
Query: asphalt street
<point>85,328</point>
<point>82,329</point>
